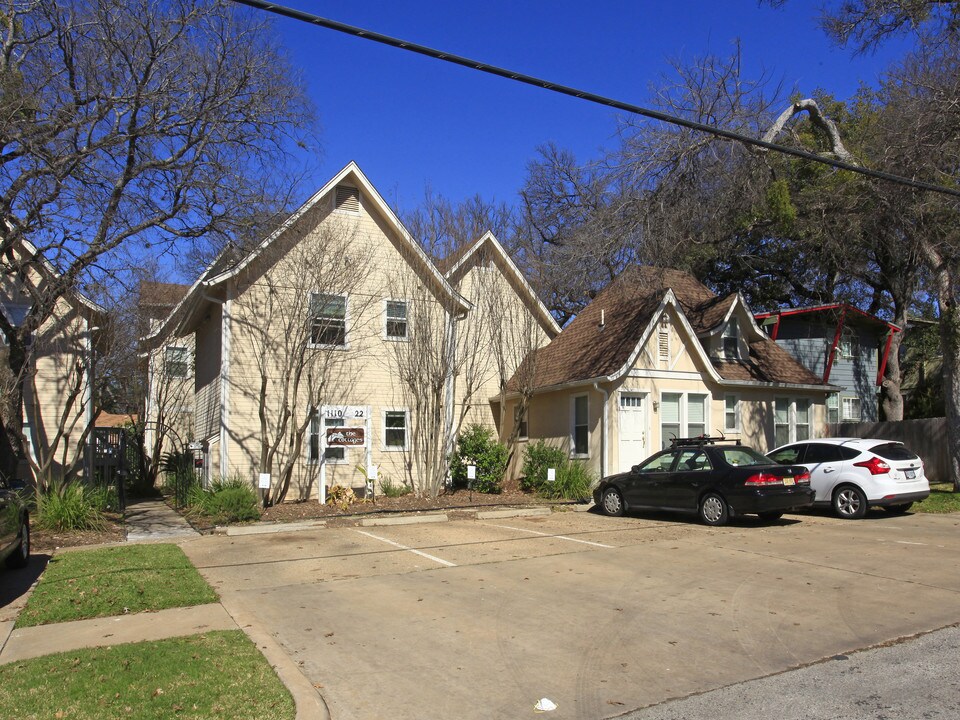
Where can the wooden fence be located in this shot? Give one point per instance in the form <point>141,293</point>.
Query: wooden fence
<point>926,437</point>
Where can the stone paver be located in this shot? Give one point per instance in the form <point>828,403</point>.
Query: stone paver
<point>155,520</point>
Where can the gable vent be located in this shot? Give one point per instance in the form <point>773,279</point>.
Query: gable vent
<point>663,338</point>
<point>348,199</point>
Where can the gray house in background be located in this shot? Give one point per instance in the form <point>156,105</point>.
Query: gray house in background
<point>844,346</point>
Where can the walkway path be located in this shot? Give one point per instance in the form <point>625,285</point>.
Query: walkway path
<point>153,519</point>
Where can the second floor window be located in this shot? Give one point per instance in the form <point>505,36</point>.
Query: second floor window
<point>328,319</point>
<point>176,362</point>
<point>731,340</point>
<point>396,320</point>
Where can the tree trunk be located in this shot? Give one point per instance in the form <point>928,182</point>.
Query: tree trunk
<point>891,398</point>
<point>12,450</point>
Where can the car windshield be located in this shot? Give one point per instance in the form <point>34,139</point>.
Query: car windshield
<point>743,456</point>
<point>893,451</point>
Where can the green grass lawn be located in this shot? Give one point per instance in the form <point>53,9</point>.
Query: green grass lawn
<point>216,675</point>
<point>942,500</point>
<point>114,581</point>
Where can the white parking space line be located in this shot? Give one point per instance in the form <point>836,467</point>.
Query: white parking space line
<point>408,549</point>
<point>558,537</point>
<point>905,542</point>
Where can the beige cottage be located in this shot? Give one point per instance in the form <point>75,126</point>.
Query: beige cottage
<point>338,328</point>
<point>657,355</point>
<point>58,403</point>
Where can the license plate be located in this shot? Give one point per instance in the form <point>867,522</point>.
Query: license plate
<point>911,474</point>
<point>789,481</point>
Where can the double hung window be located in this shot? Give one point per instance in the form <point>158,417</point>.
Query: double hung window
<point>328,319</point>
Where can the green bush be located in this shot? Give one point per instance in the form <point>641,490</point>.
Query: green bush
<point>228,500</point>
<point>391,489</point>
<point>538,457</point>
<point>68,506</point>
<point>574,482</point>
<point>103,498</point>
<point>477,446</point>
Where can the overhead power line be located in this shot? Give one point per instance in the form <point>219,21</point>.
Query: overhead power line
<point>585,95</point>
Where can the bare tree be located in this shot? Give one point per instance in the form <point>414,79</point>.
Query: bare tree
<point>292,321</point>
<point>129,122</point>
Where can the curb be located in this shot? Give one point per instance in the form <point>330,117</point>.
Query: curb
<point>307,699</point>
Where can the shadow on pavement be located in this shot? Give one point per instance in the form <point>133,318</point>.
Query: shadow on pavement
<point>15,583</point>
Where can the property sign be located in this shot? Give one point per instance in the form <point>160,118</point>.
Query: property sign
<point>346,437</point>
<point>264,483</point>
<point>345,412</point>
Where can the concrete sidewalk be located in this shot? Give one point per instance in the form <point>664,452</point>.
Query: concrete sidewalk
<point>152,519</point>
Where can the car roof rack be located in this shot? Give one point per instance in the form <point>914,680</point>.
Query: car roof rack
<point>701,440</point>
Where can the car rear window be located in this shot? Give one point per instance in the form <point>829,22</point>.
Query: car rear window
<point>741,456</point>
<point>893,451</point>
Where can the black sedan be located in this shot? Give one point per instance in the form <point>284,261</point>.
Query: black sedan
<point>714,478</point>
<point>14,527</point>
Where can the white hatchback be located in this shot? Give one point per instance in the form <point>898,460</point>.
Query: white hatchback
<point>852,474</point>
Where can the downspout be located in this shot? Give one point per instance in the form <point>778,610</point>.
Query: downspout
<point>225,338</point>
<point>603,429</point>
<point>88,398</point>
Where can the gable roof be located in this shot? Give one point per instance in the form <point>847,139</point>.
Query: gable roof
<point>229,263</point>
<point>588,351</point>
<point>31,254</point>
<point>460,262</point>
<point>831,314</point>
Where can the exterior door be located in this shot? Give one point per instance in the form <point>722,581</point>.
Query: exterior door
<point>633,430</point>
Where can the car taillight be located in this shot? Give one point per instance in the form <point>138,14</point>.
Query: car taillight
<point>875,465</point>
<point>763,479</point>
<point>803,478</point>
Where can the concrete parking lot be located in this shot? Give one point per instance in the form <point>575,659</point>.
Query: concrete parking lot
<point>480,619</point>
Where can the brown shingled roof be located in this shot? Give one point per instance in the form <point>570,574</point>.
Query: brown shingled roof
<point>584,350</point>
<point>158,294</point>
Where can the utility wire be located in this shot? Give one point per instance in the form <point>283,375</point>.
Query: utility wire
<point>584,95</point>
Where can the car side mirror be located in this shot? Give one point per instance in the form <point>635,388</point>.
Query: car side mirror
<point>635,469</point>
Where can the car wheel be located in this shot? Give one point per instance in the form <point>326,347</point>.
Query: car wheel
<point>849,502</point>
<point>770,516</point>
<point>898,509</point>
<point>612,502</point>
<point>713,510</point>
<point>21,555</point>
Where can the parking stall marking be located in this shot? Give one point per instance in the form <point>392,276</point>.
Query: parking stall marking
<point>408,549</point>
<point>558,537</point>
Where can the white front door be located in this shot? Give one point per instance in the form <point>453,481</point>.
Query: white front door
<point>633,429</point>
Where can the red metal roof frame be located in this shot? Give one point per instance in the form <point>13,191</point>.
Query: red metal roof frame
<point>844,308</point>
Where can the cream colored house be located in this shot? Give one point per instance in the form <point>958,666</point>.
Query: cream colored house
<point>657,355</point>
<point>58,402</point>
<point>338,328</point>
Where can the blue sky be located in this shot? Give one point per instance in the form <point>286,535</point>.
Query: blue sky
<point>410,121</point>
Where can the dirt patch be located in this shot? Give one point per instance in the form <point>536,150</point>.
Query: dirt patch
<point>46,541</point>
<point>309,509</point>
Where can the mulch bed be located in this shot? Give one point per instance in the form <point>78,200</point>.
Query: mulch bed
<point>310,509</point>
<point>46,541</point>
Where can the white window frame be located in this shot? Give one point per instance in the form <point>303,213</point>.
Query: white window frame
<point>736,413</point>
<point>167,362</point>
<point>730,332</point>
<point>792,424</point>
<point>833,405</point>
<point>684,414</point>
<point>574,426</point>
<point>849,343</point>
<point>406,429</point>
<point>849,400</point>
<point>386,320</point>
<point>346,321</point>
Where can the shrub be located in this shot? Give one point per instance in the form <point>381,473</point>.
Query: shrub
<point>68,506</point>
<point>574,482</point>
<point>228,500</point>
<point>477,446</point>
<point>103,498</point>
<point>392,489</point>
<point>538,457</point>
<point>340,496</point>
